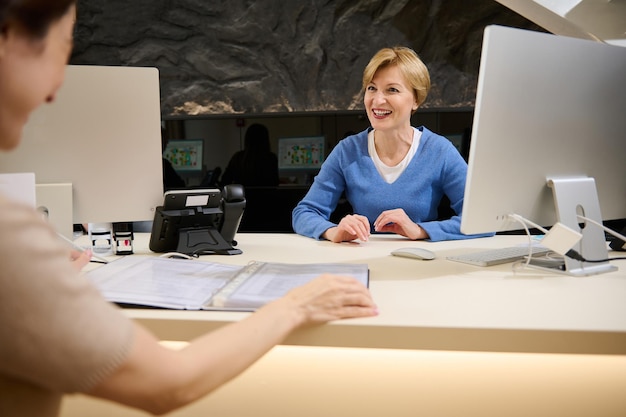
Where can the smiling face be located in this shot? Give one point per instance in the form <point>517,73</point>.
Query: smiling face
<point>389,100</point>
<point>31,72</point>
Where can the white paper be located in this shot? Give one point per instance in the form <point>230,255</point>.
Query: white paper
<point>264,282</point>
<point>196,285</point>
<point>161,282</point>
<point>19,187</point>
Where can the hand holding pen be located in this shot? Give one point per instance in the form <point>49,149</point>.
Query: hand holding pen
<point>81,254</point>
<point>80,259</point>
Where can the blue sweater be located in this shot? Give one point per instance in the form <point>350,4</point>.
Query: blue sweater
<point>436,169</point>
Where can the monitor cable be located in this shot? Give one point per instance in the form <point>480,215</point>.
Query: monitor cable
<point>525,222</point>
<point>570,253</point>
<point>575,255</point>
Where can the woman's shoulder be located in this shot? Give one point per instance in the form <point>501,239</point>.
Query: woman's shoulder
<point>428,134</point>
<point>434,140</point>
<point>238,155</point>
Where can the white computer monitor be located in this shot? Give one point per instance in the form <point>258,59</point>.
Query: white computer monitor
<point>103,135</point>
<point>550,120</point>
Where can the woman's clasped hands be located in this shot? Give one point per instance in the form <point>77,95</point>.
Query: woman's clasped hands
<point>355,226</point>
<point>397,221</point>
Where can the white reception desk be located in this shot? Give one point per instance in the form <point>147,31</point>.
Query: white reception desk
<point>451,339</point>
<point>438,304</point>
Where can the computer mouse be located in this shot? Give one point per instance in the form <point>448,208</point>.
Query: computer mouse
<point>414,253</point>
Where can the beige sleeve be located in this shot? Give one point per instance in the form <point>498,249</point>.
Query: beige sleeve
<point>56,330</point>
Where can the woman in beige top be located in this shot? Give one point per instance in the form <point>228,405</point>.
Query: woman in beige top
<point>57,333</point>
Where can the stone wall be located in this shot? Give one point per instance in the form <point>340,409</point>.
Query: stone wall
<point>265,56</point>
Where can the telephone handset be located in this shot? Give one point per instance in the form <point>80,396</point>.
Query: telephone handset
<point>199,222</point>
<point>234,203</point>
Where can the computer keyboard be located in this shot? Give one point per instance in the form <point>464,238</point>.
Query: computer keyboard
<point>498,256</point>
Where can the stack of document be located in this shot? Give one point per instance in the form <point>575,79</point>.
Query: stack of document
<point>199,285</point>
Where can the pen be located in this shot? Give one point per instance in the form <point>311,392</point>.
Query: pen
<point>96,258</point>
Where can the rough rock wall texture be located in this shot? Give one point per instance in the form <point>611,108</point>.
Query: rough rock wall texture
<point>244,56</point>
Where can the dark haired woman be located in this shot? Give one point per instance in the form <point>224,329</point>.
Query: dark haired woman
<point>57,334</point>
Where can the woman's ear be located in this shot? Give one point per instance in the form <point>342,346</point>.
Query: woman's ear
<point>3,40</point>
<point>6,33</point>
<point>415,104</point>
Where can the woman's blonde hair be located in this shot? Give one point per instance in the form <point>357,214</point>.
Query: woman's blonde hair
<point>410,65</point>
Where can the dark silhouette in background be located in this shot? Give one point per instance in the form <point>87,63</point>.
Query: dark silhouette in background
<point>256,164</point>
<point>171,179</point>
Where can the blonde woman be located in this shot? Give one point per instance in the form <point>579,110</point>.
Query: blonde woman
<point>394,175</point>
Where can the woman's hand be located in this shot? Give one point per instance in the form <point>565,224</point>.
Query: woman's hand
<point>159,380</point>
<point>351,227</point>
<point>80,259</point>
<point>330,297</point>
<point>397,221</point>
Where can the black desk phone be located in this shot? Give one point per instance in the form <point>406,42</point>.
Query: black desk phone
<point>198,222</point>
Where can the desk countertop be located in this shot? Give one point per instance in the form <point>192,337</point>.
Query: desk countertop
<point>435,305</point>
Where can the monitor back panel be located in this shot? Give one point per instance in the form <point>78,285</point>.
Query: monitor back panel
<point>547,107</point>
<point>102,134</point>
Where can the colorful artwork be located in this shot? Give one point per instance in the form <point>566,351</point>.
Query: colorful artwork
<point>184,155</point>
<point>301,153</point>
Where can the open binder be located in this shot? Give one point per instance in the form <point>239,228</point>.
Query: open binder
<point>198,285</point>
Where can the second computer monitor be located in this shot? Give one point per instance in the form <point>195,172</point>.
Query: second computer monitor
<point>549,124</point>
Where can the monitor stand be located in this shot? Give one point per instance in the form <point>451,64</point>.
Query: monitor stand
<point>573,197</point>
<point>204,241</point>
